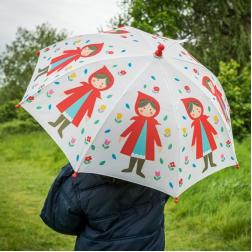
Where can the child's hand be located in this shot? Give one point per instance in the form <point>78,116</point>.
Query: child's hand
<point>159,148</point>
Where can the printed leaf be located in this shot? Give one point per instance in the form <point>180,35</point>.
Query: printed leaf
<point>102,162</point>
<point>114,156</point>
<point>169,146</point>
<point>96,122</point>
<point>165,117</point>
<point>93,147</point>
<point>161,161</point>
<point>109,96</point>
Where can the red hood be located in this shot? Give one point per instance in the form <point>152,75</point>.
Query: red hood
<point>204,83</point>
<point>103,70</point>
<point>186,102</point>
<point>98,49</point>
<point>142,96</point>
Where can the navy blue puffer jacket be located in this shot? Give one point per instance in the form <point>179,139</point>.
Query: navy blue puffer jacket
<point>104,215</point>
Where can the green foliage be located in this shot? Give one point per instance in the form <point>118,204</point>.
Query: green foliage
<point>237,90</point>
<point>18,126</point>
<point>212,215</point>
<point>8,111</point>
<point>19,59</point>
<point>217,30</point>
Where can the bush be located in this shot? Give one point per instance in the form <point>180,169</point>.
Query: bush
<point>236,84</point>
<point>8,111</point>
<point>18,126</point>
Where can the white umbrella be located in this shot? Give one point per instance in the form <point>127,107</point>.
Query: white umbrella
<point>133,106</point>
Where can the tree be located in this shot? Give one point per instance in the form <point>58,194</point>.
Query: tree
<point>217,30</point>
<point>19,59</point>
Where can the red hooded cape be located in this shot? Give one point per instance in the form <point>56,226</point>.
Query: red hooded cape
<point>76,93</point>
<point>74,54</point>
<point>134,130</point>
<point>197,136</point>
<point>217,93</point>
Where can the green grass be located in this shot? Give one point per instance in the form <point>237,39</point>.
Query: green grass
<point>212,215</point>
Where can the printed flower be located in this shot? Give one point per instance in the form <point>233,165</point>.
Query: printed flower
<point>187,88</point>
<point>228,143</point>
<point>106,144</point>
<point>110,52</point>
<point>72,76</point>
<point>122,72</point>
<point>180,182</point>
<point>184,132</point>
<point>167,132</point>
<point>216,119</point>
<point>119,117</point>
<point>30,99</point>
<point>186,160</point>
<point>102,108</point>
<point>157,175</point>
<point>156,89</point>
<point>87,139</point>
<point>72,142</point>
<point>222,156</point>
<point>87,159</point>
<point>50,92</point>
<point>171,166</point>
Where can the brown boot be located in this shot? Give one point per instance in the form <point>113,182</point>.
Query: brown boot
<point>210,155</point>
<point>41,72</point>
<point>131,165</point>
<point>140,164</point>
<point>60,119</point>
<point>62,127</point>
<point>206,163</point>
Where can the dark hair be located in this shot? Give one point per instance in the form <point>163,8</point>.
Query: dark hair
<point>190,105</point>
<point>145,102</point>
<point>102,76</point>
<point>93,48</point>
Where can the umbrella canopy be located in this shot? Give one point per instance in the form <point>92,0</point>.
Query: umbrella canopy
<point>134,106</point>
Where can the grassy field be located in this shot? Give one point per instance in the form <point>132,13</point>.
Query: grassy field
<point>212,215</point>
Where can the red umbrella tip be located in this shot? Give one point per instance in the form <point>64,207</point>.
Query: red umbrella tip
<point>159,52</point>
<point>237,166</point>
<point>37,53</point>
<point>18,105</point>
<point>176,200</point>
<point>75,174</point>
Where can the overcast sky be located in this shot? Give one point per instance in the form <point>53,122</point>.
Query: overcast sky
<point>76,16</point>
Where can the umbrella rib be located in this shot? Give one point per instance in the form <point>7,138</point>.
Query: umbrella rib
<point>118,100</point>
<point>178,138</point>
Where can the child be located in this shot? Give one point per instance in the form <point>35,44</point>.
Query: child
<point>142,133</point>
<point>105,213</point>
<point>203,131</point>
<point>68,57</point>
<point>81,100</point>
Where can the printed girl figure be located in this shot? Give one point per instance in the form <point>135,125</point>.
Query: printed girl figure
<point>81,100</point>
<point>142,133</point>
<point>69,56</point>
<point>203,131</point>
<point>207,83</point>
